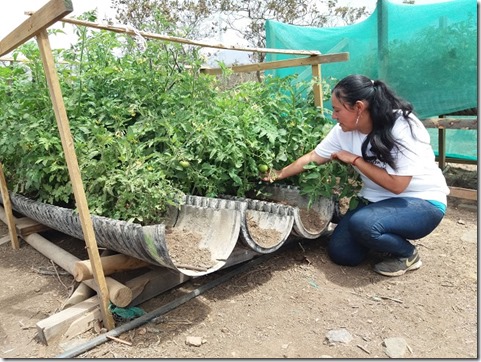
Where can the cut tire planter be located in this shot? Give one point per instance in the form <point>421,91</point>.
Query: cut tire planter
<point>265,225</point>
<point>320,211</point>
<point>219,224</point>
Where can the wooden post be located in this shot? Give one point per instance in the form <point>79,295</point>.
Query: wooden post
<point>442,147</point>
<point>317,87</point>
<point>74,172</point>
<point>12,229</point>
<point>382,40</point>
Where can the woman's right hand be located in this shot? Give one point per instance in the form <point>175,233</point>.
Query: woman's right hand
<point>270,175</point>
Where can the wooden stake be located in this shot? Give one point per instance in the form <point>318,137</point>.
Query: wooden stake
<point>12,229</point>
<point>118,340</point>
<point>317,87</point>
<point>74,172</point>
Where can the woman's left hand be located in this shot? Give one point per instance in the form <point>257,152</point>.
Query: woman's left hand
<point>344,156</point>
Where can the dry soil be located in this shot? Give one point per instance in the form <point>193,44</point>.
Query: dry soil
<point>282,308</point>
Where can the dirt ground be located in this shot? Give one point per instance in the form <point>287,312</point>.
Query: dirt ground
<point>289,306</point>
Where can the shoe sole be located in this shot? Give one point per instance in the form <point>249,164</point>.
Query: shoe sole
<point>415,266</point>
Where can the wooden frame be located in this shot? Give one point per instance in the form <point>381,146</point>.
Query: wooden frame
<point>36,26</point>
<point>443,123</point>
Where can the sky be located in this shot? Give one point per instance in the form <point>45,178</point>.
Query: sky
<point>13,15</point>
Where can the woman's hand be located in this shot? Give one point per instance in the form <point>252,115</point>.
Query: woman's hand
<point>270,175</point>
<point>294,168</point>
<point>344,156</point>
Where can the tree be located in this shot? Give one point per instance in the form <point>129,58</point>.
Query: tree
<point>201,18</point>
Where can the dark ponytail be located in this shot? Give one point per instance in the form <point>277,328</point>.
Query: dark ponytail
<point>382,102</point>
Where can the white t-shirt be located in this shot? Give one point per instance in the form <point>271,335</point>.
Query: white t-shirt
<point>414,158</point>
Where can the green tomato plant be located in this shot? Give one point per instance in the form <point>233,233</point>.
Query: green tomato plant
<point>149,126</point>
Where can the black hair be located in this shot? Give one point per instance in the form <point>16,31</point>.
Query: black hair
<point>382,104</point>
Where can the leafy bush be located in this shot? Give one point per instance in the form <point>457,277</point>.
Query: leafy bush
<point>148,128</point>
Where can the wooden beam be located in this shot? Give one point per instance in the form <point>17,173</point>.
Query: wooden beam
<point>57,324</point>
<point>118,293</point>
<point>74,173</point>
<point>27,226</point>
<point>125,29</point>
<point>463,193</point>
<point>110,264</point>
<point>312,60</point>
<point>459,160</point>
<point>50,13</point>
<point>451,123</point>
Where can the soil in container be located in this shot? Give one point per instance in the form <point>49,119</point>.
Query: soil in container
<point>265,238</point>
<point>312,220</point>
<point>184,250</point>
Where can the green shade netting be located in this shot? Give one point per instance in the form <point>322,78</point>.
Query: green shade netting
<point>426,52</point>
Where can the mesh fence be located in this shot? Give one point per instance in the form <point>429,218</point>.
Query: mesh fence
<point>426,52</point>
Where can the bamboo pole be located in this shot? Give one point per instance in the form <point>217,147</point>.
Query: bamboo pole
<point>131,31</point>
<point>74,172</point>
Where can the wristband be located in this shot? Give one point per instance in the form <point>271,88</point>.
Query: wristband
<point>354,162</point>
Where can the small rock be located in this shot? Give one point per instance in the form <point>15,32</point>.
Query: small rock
<point>395,347</point>
<point>157,320</point>
<point>339,335</point>
<point>142,331</point>
<point>193,341</point>
<point>462,222</point>
<point>470,236</point>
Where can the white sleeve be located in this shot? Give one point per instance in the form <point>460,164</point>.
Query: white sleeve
<point>330,143</point>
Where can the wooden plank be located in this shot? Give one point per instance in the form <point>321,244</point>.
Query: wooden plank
<point>10,221</point>
<point>57,324</point>
<point>451,123</point>
<point>463,193</point>
<point>50,13</point>
<point>312,60</point>
<point>5,239</point>
<point>79,318</point>
<point>460,160</point>
<point>74,173</point>
<point>27,226</point>
<point>84,323</point>
<point>153,283</point>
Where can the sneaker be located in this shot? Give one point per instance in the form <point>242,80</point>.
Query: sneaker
<point>394,267</point>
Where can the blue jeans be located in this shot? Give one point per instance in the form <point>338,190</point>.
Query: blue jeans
<point>384,227</point>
